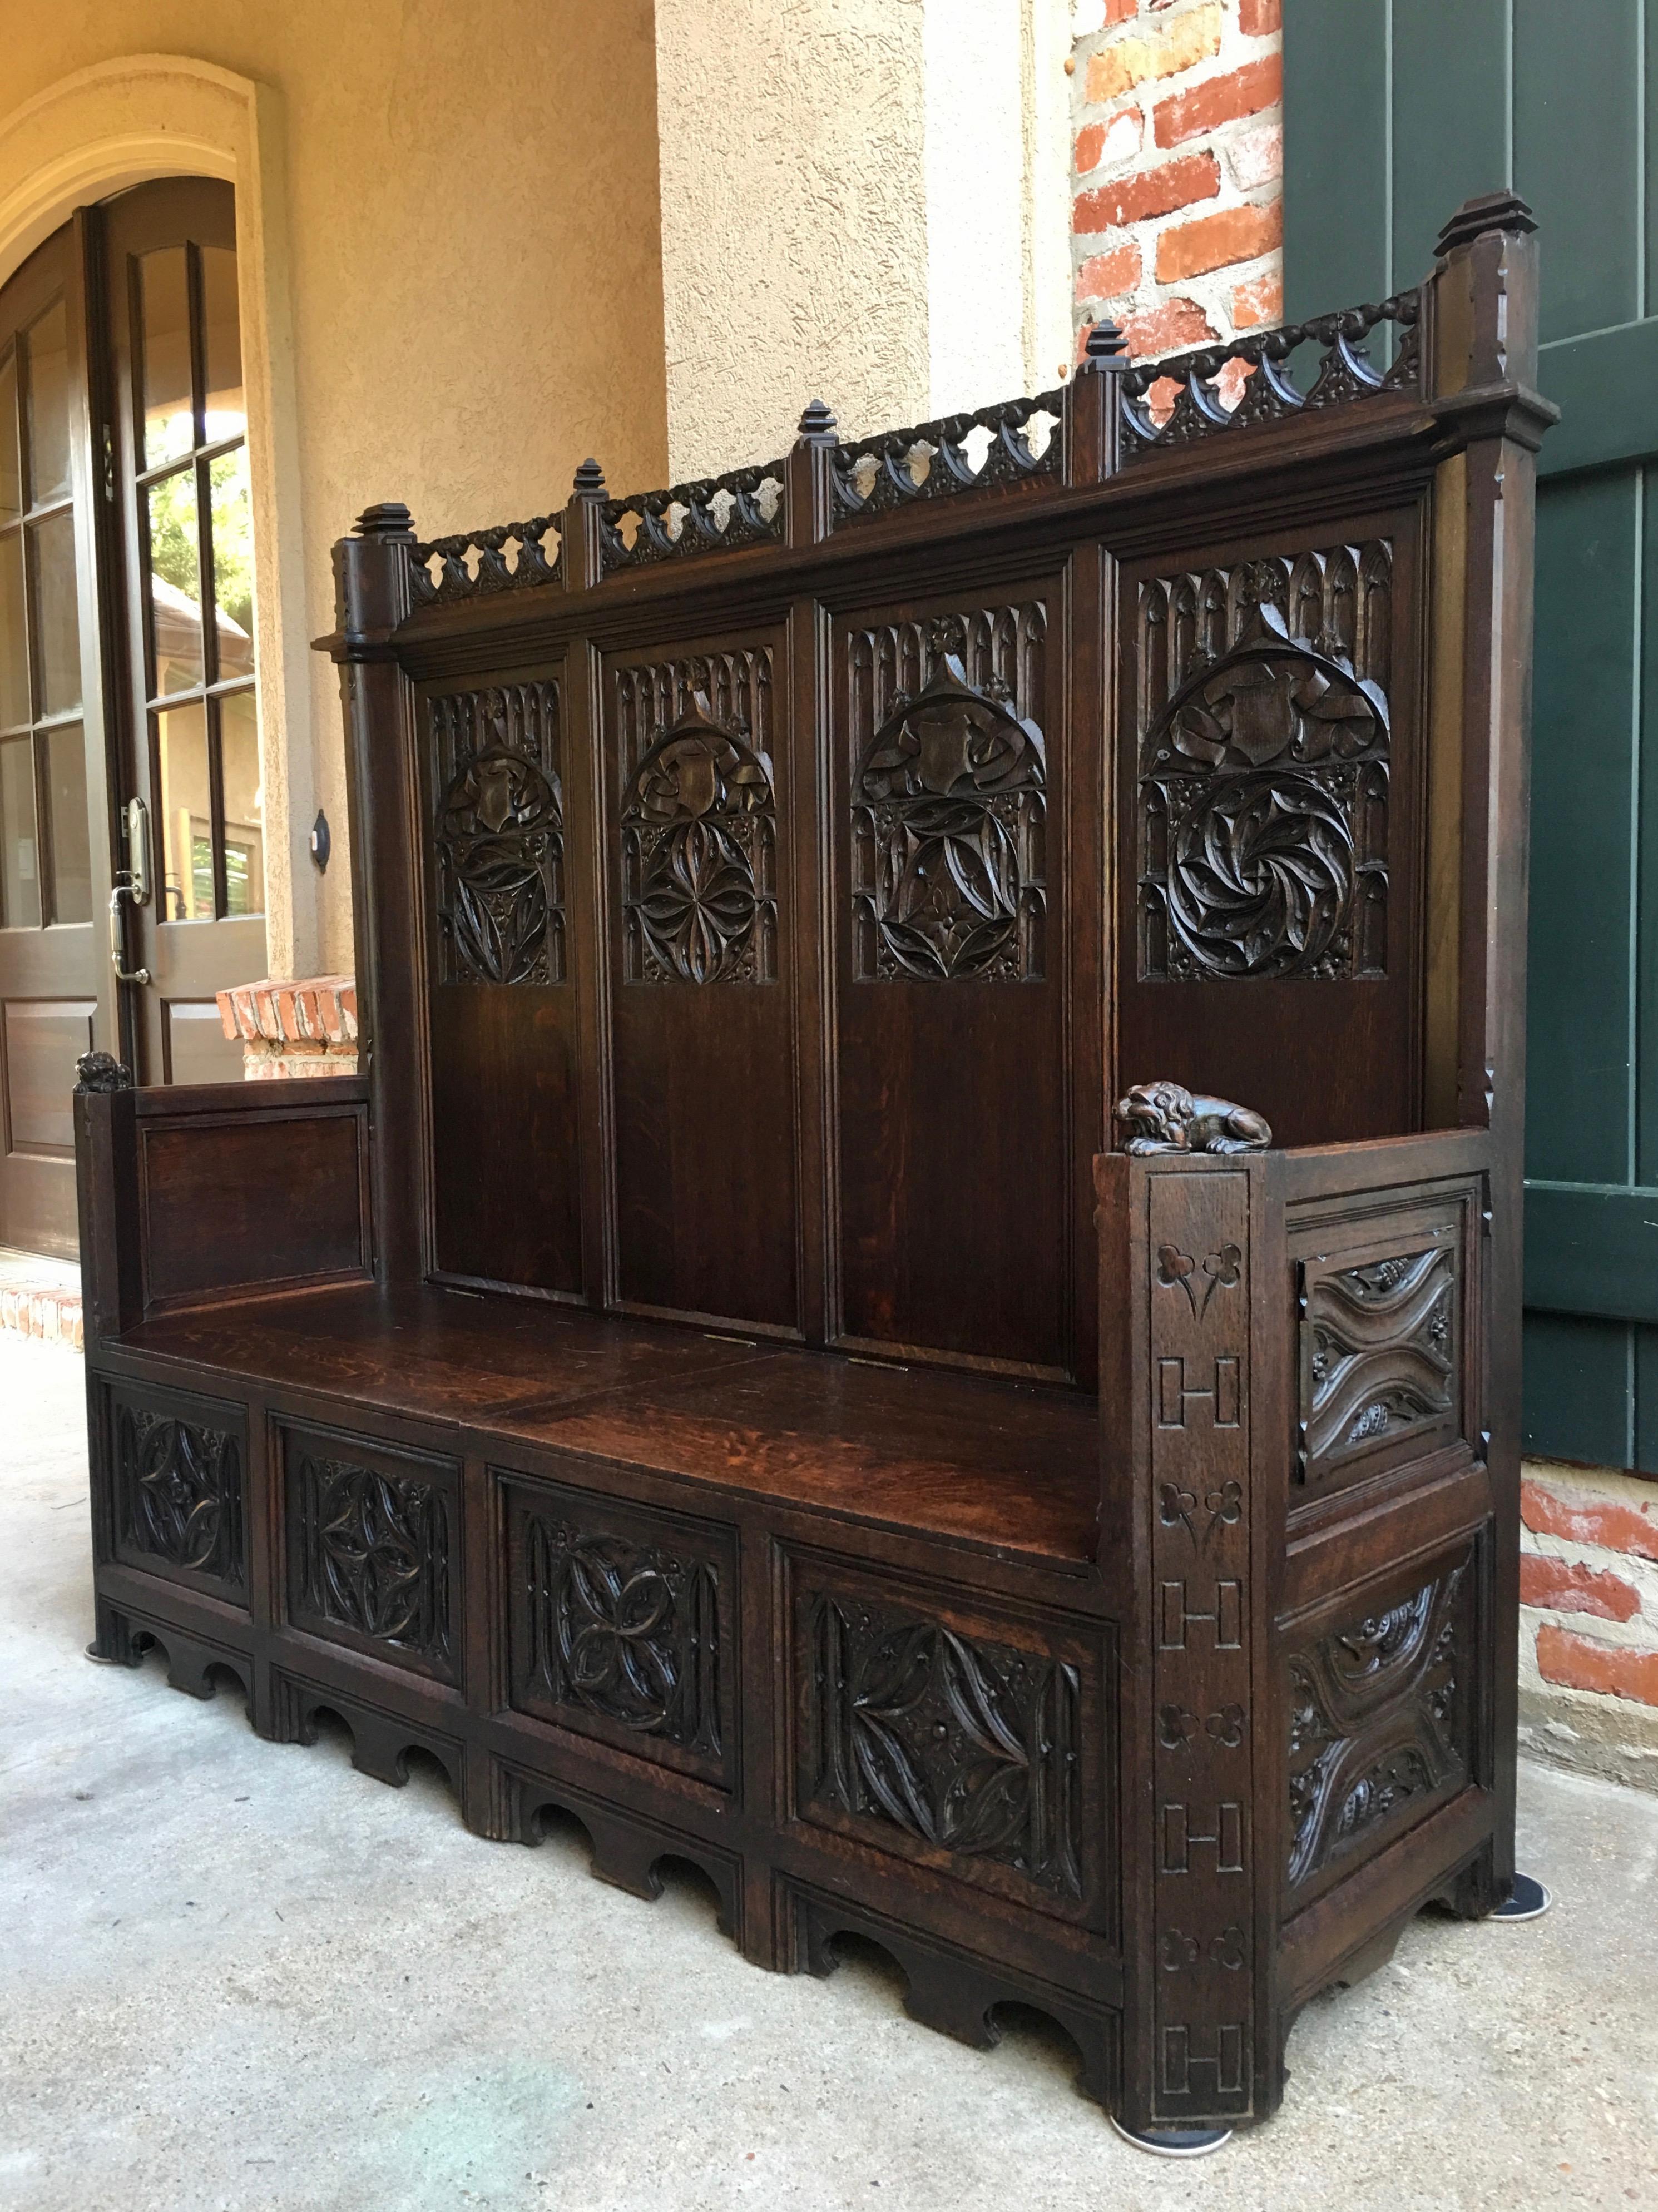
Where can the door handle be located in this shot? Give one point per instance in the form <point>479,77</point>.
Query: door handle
<point>117,937</point>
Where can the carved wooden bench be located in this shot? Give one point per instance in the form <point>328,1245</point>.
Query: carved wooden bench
<point>711,1374</point>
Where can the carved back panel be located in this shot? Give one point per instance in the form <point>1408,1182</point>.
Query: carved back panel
<point>501,999</point>
<point>1270,774</point>
<point>696,765</point>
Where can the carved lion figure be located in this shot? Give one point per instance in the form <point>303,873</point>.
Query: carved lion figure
<point>101,1071</point>
<point>1166,1117</point>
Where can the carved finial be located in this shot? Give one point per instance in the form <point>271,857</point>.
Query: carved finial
<point>1166,1117</point>
<point>589,480</point>
<point>1105,347</point>
<point>389,519</point>
<point>1487,211</point>
<point>101,1071</point>
<point>817,422</point>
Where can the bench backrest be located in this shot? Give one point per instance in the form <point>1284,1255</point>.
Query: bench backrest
<point>764,888</point>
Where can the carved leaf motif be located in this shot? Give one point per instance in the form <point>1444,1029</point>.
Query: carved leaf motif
<point>374,1554</point>
<point>180,1484</point>
<point>1381,1357</point>
<point>697,813</point>
<point>1376,1720</point>
<point>498,828</point>
<point>966,1745</point>
<point>947,797</point>
<point>629,1632</point>
<point>1263,778</point>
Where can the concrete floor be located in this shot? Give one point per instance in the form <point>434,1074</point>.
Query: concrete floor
<point>239,1975</point>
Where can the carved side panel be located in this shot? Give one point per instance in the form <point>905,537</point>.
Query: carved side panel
<point>499,832</point>
<point>964,1750</point>
<point>1385,1328</point>
<point>177,1483</point>
<point>622,1625</point>
<point>698,819</point>
<point>1203,1724</point>
<point>1380,1712</point>
<point>372,1551</point>
<point>949,808</point>
<point>1263,735</point>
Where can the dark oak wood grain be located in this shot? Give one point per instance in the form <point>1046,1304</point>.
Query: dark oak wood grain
<point>713,1377</point>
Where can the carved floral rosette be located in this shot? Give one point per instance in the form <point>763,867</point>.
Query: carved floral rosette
<point>948,841</point>
<point>1263,771</point>
<point>498,829</point>
<point>698,855</point>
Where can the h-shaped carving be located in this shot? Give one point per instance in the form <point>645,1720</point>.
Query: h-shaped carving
<point>1223,1613</point>
<point>1223,1396</point>
<point>1219,2069</point>
<point>1224,1835</point>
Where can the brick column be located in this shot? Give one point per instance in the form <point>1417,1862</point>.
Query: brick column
<point>304,1028</point>
<point>1178,180</point>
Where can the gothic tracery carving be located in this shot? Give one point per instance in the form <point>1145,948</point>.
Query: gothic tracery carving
<point>698,839</point>
<point>1264,770</point>
<point>499,830</point>
<point>178,1491</point>
<point>948,816</point>
<point>374,1555</point>
<point>969,1746</point>
<point>1380,1355</point>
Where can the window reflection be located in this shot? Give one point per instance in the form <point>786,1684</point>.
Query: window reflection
<point>72,846</point>
<point>175,582</point>
<point>14,633</point>
<point>164,315</point>
<point>227,411</point>
<point>19,872</point>
<point>187,814</point>
<point>11,482</point>
<point>244,805</point>
<point>232,517</point>
<point>57,616</point>
<point>47,343</point>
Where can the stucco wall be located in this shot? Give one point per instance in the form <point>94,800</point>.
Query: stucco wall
<point>475,279</point>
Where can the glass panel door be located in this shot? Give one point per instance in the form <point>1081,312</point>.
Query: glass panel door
<point>181,463</point>
<point>52,872</point>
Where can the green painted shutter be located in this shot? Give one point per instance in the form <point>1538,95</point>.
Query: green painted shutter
<point>1396,111</point>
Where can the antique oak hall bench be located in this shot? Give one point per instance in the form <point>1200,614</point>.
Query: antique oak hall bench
<point>712,1374</point>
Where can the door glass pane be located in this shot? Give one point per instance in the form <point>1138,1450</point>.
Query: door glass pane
<point>48,409</point>
<point>164,316</point>
<point>244,805</point>
<point>227,410</point>
<point>20,874</point>
<point>14,649</point>
<point>233,561</point>
<point>11,488</point>
<point>72,846</point>
<point>186,814</point>
<point>175,583</point>
<point>57,618</point>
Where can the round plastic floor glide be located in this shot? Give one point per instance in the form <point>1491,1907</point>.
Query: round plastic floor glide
<point>1176,2142</point>
<point>1530,1900</point>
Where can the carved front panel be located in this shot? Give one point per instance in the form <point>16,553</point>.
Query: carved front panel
<point>621,1626</point>
<point>373,1556</point>
<point>965,1750</point>
<point>1264,734</point>
<point>1380,1711</point>
<point>178,1477</point>
<point>1383,1329</point>
<point>498,834</point>
<point>1198,1343</point>
<point>949,780</point>
<point>698,819</point>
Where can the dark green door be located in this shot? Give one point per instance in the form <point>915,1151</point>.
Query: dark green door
<point>1395,112</point>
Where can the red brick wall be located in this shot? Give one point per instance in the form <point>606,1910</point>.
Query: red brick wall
<point>1177,209</point>
<point>1588,1645</point>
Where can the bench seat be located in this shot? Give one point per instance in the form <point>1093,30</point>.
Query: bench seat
<point>978,1461</point>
